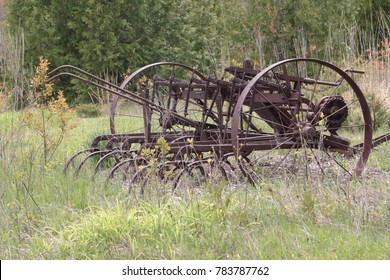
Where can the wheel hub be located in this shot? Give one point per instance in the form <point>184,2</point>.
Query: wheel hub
<point>332,111</point>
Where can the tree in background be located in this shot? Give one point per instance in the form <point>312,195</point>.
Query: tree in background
<point>100,36</point>
<point>114,36</point>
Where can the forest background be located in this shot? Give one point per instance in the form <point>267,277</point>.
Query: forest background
<point>112,38</point>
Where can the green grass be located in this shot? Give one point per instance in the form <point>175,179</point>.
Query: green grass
<point>47,215</point>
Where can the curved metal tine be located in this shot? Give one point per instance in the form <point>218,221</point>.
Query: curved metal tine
<point>188,169</point>
<point>176,180</point>
<point>228,164</point>
<point>247,175</point>
<point>226,160</point>
<point>195,163</point>
<point>223,171</point>
<point>245,161</point>
<point>76,155</point>
<point>91,81</point>
<point>138,175</point>
<point>119,164</point>
<point>185,137</point>
<point>217,162</point>
<point>116,166</point>
<point>108,155</point>
<point>84,160</point>
<point>186,148</point>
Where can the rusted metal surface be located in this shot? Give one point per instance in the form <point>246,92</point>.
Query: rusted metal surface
<point>297,116</point>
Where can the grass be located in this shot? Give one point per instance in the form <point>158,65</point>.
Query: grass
<point>47,215</point>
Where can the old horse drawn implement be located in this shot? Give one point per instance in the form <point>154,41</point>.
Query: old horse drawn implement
<point>296,116</point>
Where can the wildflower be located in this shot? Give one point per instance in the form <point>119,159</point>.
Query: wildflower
<point>190,141</point>
<point>321,122</point>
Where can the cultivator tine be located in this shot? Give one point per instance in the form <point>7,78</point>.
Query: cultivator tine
<point>105,157</point>
<point>72,158</point>
<point>118,165</point>
<point>84,160</point>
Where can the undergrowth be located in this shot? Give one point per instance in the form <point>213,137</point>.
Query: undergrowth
<point>86,217</point>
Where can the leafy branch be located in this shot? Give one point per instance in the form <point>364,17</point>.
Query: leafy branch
<point>48,114</point>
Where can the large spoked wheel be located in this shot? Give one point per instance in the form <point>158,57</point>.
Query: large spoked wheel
<point>302,117</point>
<point>176,96</point>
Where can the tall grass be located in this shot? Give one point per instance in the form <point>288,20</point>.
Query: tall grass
<point>12,74</point>
<point>47,215</point>
<point>284,221</point>
<point>52,216</point>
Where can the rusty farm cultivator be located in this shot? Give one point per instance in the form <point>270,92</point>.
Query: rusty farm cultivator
<point>298,116</point>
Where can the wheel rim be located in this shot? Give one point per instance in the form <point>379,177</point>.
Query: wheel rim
<point>306,121</point>
<point>153,82</point>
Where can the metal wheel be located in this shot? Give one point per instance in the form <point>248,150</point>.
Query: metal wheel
<point>178,102</point>
<point>302,117</point>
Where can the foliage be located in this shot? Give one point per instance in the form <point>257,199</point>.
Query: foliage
<point>117,35</point>
<point>47,115</point>
<point>111,37</point>
<point>99,35</point>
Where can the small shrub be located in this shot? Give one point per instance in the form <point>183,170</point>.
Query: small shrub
<point>89,110</point>
<point>47,114</point>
